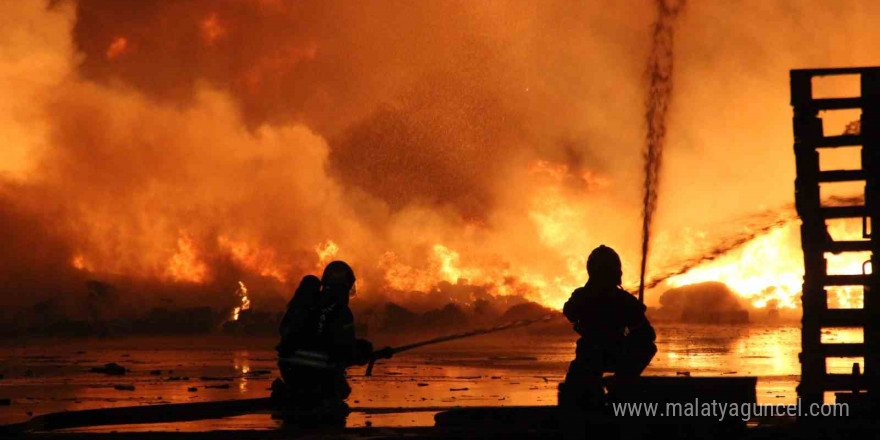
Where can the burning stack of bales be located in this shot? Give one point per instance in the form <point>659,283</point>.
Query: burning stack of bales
<point>703,303</point>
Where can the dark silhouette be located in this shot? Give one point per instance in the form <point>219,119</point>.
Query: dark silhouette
<point>298,310</point>
<point>615,334</point>
<point>318,342</point>
<point>815,209</point>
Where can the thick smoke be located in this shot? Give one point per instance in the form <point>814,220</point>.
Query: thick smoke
<point>172,149</point>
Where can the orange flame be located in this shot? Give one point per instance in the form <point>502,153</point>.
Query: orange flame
<point>79,262</point>
<point>245,301</point>
<point>185,264</point>
<point>769,269</point>
<point>256,260</point>
<point>326,252</point>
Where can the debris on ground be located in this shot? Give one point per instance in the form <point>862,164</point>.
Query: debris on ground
<point>111,369</point>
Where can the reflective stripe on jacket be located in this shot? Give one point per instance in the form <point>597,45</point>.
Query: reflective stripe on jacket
<point>308,358</point>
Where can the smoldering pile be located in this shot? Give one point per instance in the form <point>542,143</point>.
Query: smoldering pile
<point>445,308</point>
<point>709,303</point>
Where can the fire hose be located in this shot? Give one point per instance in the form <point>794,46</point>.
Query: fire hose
<point>387,352</point>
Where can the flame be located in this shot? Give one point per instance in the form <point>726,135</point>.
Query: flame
<point>257,260</point>
<point>177,134</point>
<point>553,217</point>
<point>498,278</point>
<point>766,271</point>
<point>554,211</point>
<point>444,265</point>
<point>399,276</point>
<point>769,269</point>
<point>185,264</point>
<point>326,252</point>
<point>79,262</point>
<point>242,292</point>
<point>449,262</point>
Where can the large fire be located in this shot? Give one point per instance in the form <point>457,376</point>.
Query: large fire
<point>173,150</point>
<point>769,269</point>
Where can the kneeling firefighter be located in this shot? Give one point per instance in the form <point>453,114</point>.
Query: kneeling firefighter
<point>318,340</point>
<point>616,336</point>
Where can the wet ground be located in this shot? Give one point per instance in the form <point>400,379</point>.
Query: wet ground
<point>514,368</point>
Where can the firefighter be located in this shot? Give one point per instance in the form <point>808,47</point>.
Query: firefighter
<point>318,341</point>
<point>616,336</point>
<point>296,315</point>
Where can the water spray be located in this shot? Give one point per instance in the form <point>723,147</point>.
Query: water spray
<point>657,104</point>
<point>722,248</point>
<point>768,223</point>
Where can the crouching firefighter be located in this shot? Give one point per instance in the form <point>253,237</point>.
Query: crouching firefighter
<point>616,336</point>
<point>318,341</point>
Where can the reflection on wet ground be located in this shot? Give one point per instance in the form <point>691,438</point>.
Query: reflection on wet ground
<point>509,369</point>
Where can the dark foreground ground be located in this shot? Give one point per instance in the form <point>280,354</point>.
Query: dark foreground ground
<point>510,369</point>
